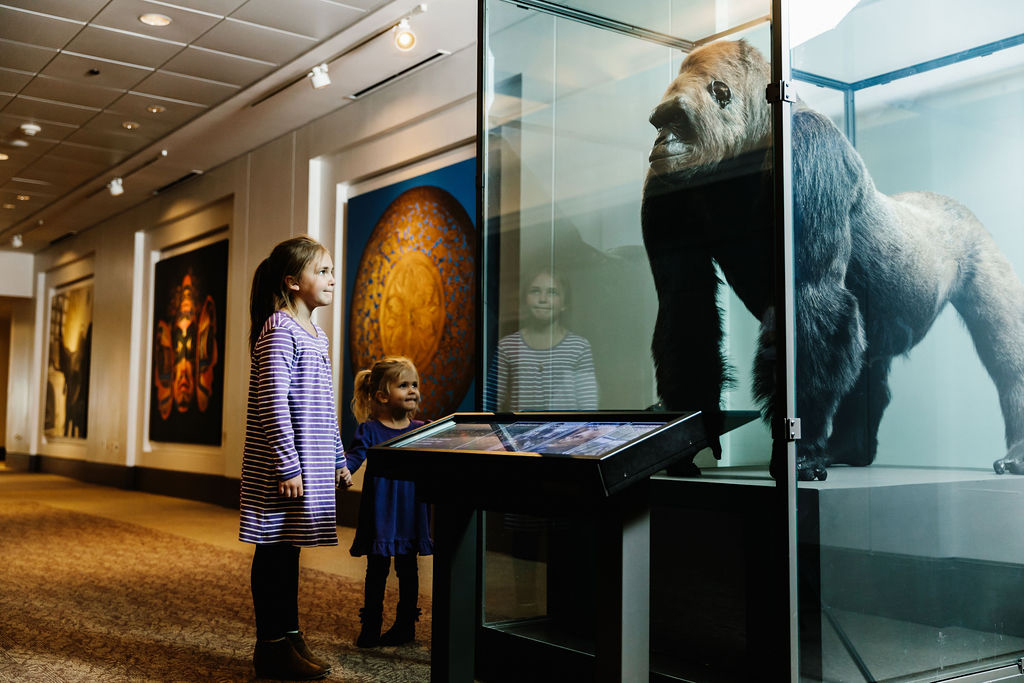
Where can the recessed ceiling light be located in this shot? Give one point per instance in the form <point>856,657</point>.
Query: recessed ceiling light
<point>23,197</point>
<point>153,19</point>
<point>156,109</point>
<point>130,125</point>
<point>18,142</point>
<point>4,157</point>
<point>8,205</point>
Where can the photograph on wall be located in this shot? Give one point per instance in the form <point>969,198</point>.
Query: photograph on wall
<point>409,276</point>
<point>66,413</point>
<point>187,391</point>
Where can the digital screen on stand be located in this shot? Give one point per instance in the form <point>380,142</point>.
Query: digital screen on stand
<point>548,438</point>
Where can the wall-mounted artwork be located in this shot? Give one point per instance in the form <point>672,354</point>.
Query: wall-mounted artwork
<point>187,392</point>
<point>66,413</point>
<point>409,271</point>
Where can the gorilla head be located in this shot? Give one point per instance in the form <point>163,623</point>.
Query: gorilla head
<point>715,109</point>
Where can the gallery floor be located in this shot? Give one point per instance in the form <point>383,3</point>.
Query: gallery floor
<point>85,598</point>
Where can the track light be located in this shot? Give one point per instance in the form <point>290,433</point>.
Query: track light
<point>16,241</point>
<point>319,77</point>
<point>30,129</point>
<point>405,39</point>
<point>116,187</point>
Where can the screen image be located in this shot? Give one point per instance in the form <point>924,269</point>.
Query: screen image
<point>548,438</point>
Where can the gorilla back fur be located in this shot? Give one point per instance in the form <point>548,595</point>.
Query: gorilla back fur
<point>872,271</point>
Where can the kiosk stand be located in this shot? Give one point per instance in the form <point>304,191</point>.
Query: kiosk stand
<point>542,464</point>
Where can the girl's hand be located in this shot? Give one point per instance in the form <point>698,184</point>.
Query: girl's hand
<point>291,488</point>
<point>342,476</point>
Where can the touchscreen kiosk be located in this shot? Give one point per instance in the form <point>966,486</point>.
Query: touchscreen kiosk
<point>494,457</point>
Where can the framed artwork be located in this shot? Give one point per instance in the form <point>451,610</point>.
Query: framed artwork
<point>410,269</point>
<point>66,413</point>
<point>187,383</point>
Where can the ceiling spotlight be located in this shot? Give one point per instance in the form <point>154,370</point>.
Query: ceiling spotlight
<point>153,19</point>
<point>156,109</point>
<point>16,241</point>
<point>116,187</point>
<point>130,125</point>
<point>23,197</point>
<point>30,129</point>
<point>4,157</point>
<point>8,205</point>
<point>18,142</point>
<point>405,39</point>
<point>319,77</point>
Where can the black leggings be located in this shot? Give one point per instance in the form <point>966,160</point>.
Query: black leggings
<point>275,589</point>
<point>377,568</point>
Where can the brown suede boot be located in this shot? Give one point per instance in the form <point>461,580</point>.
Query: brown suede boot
<point>299,643</point>
<point>278,659</point>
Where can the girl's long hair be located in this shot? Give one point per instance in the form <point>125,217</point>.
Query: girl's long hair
<point>269,291</point>
<point>380,377</point>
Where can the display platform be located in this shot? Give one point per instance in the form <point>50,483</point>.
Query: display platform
<point>891,560</point>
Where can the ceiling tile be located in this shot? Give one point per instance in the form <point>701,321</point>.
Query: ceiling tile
<point>60,175</point>
<point>13,81</point>
<point>89,154</point>
<point>100,42</point>
<point>101,138</point>
<point>111,122</point>
<point>52,131</point>
<point>308,17</point>
<point>14,55</point>
<point>37,29</point>
<point>217,66</point>
<point>56,89</point>
<point>185,26</point>
<point>221,7</point>
<point>49,111</point>
<point>133,105</point>
<point>80,10</point>
<point>175,86</point>
<point>256,42</point>
<point>368,5</point>
<point>73,67</point>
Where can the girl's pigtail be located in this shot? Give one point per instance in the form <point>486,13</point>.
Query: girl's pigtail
<point>261,301</point>
<point>361,396</point>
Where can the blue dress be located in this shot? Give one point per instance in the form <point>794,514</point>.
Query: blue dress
<point>391,520</point>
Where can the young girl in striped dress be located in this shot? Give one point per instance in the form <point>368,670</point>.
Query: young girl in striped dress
<point>391,521</point>
<point>293,459</point>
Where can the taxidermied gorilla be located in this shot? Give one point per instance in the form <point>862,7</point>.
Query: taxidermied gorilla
<point>872,271</point>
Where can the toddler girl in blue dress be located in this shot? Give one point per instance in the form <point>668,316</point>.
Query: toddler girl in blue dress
<point>391,521</point>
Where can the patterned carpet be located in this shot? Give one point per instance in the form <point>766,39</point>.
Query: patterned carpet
<point>85,598</point>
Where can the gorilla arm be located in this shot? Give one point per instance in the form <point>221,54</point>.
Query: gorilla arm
<point>687,343</point>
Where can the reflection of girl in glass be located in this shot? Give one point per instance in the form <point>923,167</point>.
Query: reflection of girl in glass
<point>544,366</point>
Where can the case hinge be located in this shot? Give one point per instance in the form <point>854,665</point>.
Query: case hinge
<point>792,426</point>
<point>781,91</point>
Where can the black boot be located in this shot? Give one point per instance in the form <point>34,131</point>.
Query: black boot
<point>404,629</point>
<point>369,634</point>
<point>278,659</point>
<point>299,643</point>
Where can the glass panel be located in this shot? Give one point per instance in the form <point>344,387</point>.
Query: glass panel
<point>910,314</point>
<point>570,297</point>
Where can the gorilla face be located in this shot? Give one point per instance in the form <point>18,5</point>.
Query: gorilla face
<point>713,110</point>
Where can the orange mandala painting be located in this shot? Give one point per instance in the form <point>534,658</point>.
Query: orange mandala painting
<point>414,295</point>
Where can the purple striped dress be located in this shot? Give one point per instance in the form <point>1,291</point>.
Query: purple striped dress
<point>291,428</point>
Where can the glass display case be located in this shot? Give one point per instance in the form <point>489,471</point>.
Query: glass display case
<point>649,244</point>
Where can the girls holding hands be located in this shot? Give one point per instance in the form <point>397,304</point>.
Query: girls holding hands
<point>293,458</point>
<point>391,521</point>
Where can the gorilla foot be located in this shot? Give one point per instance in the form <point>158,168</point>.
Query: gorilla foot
<point>1013,462</point>
<point>808,468</point>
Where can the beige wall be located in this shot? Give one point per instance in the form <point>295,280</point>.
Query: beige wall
<point>264,197</point>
